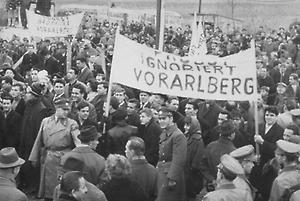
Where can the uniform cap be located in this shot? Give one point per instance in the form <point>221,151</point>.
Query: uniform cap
<point>295,112</point>
<point>288,147</point>
<point>281,84</point>
<point>62,103</point>
<point>231,164</point>
<point>245,152</point>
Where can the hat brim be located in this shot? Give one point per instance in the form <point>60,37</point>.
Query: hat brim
<point>15,164</point>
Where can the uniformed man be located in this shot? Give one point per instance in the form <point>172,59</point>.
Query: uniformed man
<point>57,136</point>
<point>286,154</point>
<point>245,155</point>
<point>172,157</point>
<point>228,170</point>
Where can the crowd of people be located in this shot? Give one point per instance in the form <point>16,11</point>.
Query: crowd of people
<point>61,139</point>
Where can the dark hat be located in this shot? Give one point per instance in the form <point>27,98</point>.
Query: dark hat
<point>62,103</point>
<point>114,102</point>
<point>36,89</point>
<point>10,158</point>
<point>245,152</point>
<point>73,164</point>
<point>69,181</point>
<point>227,128</point>
<point>288,147</point>
<point>119,115</point>
<point>88,133</point>
<point>228,163</point>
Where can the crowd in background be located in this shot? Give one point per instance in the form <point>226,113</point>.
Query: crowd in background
<point>183,138</point>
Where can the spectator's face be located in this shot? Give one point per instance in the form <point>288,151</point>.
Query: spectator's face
<point>6,104</point>
<point>287,133</point>
<point>131,108</point>
<point>15,91</point>
<point>34,76</point>
<point>189,110</point>
<point>144,118</point>
<point>247,165</point>
<point>101,89</point>
<point>9,73</point>
<point>83,113</point>
<point>81,191</point>
<point>280,89</point>
<point>270,118</point>
<point>62,112</point>
<point>59,88</point>
<point>120,96</point>
<point>164,121</point>
<point>221,118</point>
<point>76,95</point>
<point>173,105</point>
<point>80,65</point>
<point>100,78</point>
<point>144,97</point>
<point>71,75</point>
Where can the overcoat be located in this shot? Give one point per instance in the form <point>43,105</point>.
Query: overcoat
<point>94,164</point>
<point>55,138</point>
<point>228,192</point>
<point>9,191</point>
<point>171,163</point>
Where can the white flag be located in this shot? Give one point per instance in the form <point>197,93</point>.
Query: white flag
<point>198,41</point>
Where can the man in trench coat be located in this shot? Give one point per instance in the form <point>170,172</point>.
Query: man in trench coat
<point>57,136</point>
<point>172,158</point>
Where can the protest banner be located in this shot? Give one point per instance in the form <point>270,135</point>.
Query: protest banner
<point>44,26</point>
<point>198,40</point>
<point>208,77</point>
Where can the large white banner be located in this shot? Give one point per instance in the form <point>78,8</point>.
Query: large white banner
<point>44,26</point>
<point>210,77</point>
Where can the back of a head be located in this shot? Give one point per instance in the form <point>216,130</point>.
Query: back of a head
<point>70,181</point>
<point>137,144</point>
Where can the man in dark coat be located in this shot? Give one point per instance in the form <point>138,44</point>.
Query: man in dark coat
<point>30,60</point>
<point>120,133</point>
<point>142,172</point>
<point>195,150</point>
<point>12,123</point>
<point>9,168</point>
<point>214,151</point>
<point>35,112</point>
<point>85,73</point>
<point>94,164</point>
<point>150,131</point>
<point>50,64</point>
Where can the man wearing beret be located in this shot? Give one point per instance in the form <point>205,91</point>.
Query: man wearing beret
<point>172,158</point>
<point>228,170</point>
<point>94,164</point>
<point>245,155</point>
<point>287,153</point>
<point>9,168</point>
<point>57,136</point>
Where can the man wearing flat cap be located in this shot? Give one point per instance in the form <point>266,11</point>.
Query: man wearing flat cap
<point>228,169</point>
<point>287,153</point>
<point>57,136</point>
<point>94,164</point>
<point>245,156</point>
<point>172,159</point>
<point>9,168</point>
